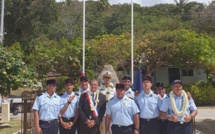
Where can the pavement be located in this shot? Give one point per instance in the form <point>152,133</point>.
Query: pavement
<point>206,113</point>
<point>205,120</point>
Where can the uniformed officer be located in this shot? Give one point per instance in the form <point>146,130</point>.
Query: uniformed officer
<point>161,91</point>
<point>69,103</point>
<point>179,110</point>
<point>147,102</point>
<point>84,87</point>
<point>46,108</point>
<point>127,82</point>
<point>107,88</point>
<point>122,112</point>
<point>92,106</point>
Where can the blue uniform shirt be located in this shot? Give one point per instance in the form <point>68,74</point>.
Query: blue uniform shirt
<point>130,93</point>
<point>160,101</point>
<point>71,110</point>
<point>122,111</point>
<point>81,91</point>
<point>167,108</point>
<point>148,105</point>
<point>47,106</point>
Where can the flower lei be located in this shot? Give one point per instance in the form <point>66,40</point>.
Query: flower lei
<point>109,89</point>
<point>92,106</point>
<point>174,108</point>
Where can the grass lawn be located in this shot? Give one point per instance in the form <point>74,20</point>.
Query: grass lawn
<point>15,125</point>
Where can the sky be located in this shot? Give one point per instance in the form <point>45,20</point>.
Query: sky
<point>148,2</point>
<point>152,2</point>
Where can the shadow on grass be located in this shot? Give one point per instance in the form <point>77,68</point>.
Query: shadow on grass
<point>206,126</point>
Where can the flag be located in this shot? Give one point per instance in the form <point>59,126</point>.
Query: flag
<point>82,73</point>
<point>137,85</point>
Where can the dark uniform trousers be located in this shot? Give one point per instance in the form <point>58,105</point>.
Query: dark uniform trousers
<point>84,129</point>
<point>149,126</point>
<point>178,128</point>
<point>67,131</point>
<point>49,127</point>
<point>163,126</point>
<point>116,129</point>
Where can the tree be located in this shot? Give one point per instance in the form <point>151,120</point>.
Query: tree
<point>55,58</point>
<point>108,49</point>
<point>180,47</point>
<point>13,70</point>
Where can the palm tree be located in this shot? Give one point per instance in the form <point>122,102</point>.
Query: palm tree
<point>181,5</point>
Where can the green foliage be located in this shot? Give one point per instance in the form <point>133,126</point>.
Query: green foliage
<point>13,71</point>
<point>60,58</point>
<point>203,92</point>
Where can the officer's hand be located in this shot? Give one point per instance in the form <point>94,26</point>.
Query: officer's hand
<point>136,132</point>
<point>187,118</point>
<point>38,130</point>
<point>87,122</point>
<point>71,124</point>
<point>92,123</point>
<point>107,132</point>
<point>71,98</point>
<point>174,118</point>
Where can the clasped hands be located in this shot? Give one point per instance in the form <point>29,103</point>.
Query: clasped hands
<point>174,118</point>
<point>90,123</point>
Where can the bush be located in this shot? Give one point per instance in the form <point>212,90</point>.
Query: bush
<point>203,92</point>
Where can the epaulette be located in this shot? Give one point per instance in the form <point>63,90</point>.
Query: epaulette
<point>40,94</point>
<point>110,99</point>
<point>130,98</point>
<point>60,94</point>
<point>76,94</point>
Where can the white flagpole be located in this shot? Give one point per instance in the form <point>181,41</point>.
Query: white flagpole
<point>83,64</point>
<point>132,42</point>
<point>2,23</point>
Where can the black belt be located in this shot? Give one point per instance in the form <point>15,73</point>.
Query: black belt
<point>153,119</point>
<point>68,119</point>
<point>122,126</point>
<point>41,121</point>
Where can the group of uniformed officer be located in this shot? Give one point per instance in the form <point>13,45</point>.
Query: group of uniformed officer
<point>109,110</point>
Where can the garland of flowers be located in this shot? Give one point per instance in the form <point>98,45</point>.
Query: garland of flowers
<point>90,101</point>
<point>174,108</point>
<point>109,89</point>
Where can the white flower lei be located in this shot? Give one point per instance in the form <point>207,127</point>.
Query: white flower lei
<point>174,108</point>
<point>92,106</point>
<point>109,89</point>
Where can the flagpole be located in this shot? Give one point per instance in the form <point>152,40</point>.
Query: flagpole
<point>83,64</point>
<point>132,42</point>
<point>2,23</point>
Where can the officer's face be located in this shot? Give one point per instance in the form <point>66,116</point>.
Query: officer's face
<point>94,86</point>
<point>146,86</point>
<point>69,87</point>
<point>177,89</point>
<point>127,84</point>
<point>161,91</point>
<point>51,88</point>
<point>106,81</point>
<point>84,84</point>
<point>120,93</point>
